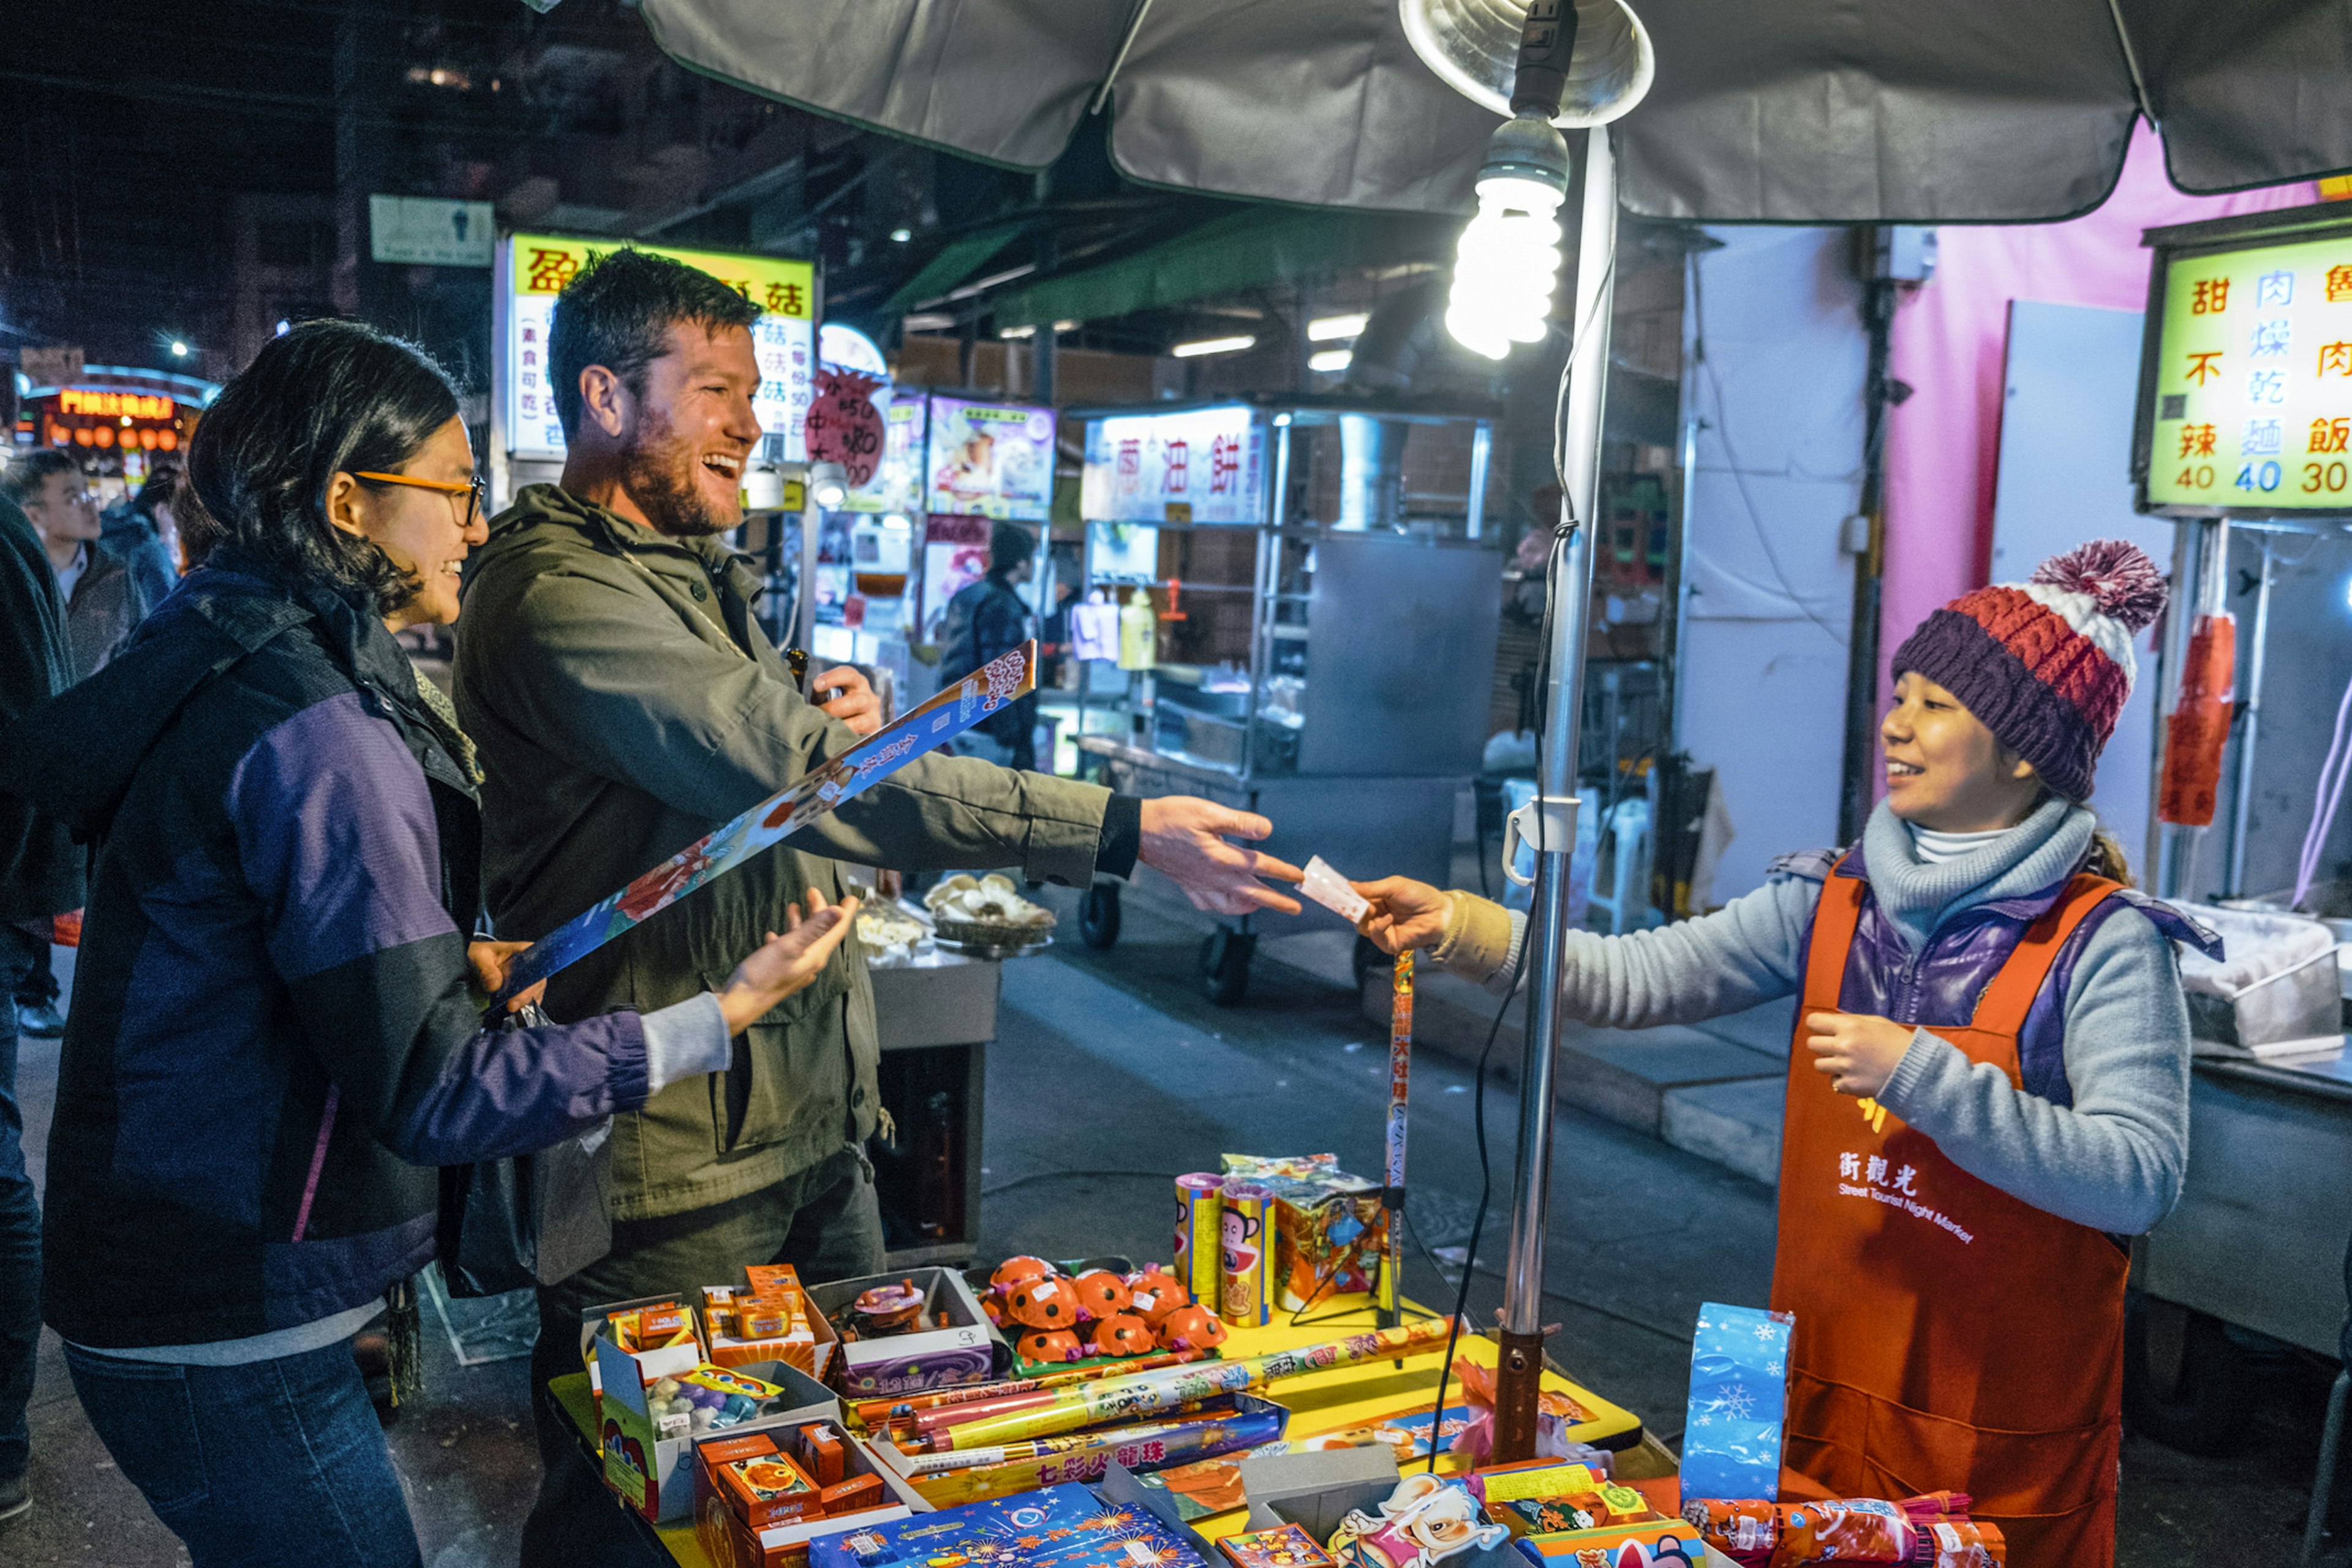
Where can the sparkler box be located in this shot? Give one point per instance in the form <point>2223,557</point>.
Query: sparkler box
<point>967,1350</point>
<point>727,1536</point>
<point>1114,1523</point>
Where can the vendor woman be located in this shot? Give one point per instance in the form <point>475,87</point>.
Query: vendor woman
<point>1989,1086</point>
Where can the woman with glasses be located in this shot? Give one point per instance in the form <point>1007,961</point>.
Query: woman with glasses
<point>277,1030</point>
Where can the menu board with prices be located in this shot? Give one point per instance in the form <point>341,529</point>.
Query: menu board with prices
<point>898,483</point>
<point>783,339</point>
<point>991,460</point>
<point>2252,381</point>
<point>1199,465</point>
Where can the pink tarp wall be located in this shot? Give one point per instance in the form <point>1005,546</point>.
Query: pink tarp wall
<point>1943,445</point>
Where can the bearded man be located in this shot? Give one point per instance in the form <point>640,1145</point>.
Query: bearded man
<point>625,701</point>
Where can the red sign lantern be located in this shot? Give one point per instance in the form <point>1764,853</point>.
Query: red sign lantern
<point>842,424</point>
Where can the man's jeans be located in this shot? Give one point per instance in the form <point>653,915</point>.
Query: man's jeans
<point>274,1464</point>
<point>20,1268</point>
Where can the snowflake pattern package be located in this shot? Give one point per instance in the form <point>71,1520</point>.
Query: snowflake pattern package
<point>1739,1398</point>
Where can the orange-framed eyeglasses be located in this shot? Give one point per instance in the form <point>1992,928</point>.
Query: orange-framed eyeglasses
<point>472,489</point>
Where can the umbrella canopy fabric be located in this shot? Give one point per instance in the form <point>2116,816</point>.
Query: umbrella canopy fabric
<point>1763,111</point>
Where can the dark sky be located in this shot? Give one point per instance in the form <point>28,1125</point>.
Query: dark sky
<point>128,126</point>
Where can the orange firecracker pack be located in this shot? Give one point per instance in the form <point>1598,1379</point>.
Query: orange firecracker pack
<point>765,1489</point>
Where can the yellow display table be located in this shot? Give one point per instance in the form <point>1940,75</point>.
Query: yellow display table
<point>1320,1403</point>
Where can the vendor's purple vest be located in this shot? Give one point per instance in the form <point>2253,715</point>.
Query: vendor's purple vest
<point>1938,988</point>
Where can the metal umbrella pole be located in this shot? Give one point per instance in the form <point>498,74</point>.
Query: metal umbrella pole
<point>1553,813</point>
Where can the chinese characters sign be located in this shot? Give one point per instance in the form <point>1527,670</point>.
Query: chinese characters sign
<point>2253,380</point>
<point>898,481</point>
<point>783,338</point>
<point>1202,465</point>
<point>991,460</point>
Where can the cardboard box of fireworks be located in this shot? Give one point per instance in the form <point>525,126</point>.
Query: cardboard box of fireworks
<point>1353,1509</point>
<point>763,1498</point>
<point>655,1386</point>
<point>900,1333</point>
<point>764,1318</point>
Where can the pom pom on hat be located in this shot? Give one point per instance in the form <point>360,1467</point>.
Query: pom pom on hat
<point>2046,664</point>
<point>2117,575</point>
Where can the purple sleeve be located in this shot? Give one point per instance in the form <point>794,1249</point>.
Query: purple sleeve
<point>336,840</point>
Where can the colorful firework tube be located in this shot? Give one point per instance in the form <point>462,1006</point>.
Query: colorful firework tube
<point>942,1442</point>
<point>1245,1261</point>
<point>1400,1096</point>
<point>925,1423</point>
<point>1084,1456</point>
<point>877,1413</point>
<point>781,814</point>
<point>1151,1393</point>
<point>1198,1210</point>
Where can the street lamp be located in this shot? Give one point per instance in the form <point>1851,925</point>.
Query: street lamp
<point>179,348</point>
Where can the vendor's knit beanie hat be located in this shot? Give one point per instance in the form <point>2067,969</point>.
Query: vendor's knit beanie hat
<point>2045,665</point>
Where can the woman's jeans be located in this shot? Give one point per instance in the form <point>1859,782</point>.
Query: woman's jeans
<point>272,1463</point>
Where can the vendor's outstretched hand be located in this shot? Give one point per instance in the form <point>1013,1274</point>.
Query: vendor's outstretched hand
<point>848,696</point>
<point>1184,838</point>
<point>784,965</point>
<point>1405,914</point>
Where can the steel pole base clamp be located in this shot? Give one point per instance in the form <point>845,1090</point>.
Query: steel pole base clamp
<point>1548,823</point>
<point>1519,1384</point>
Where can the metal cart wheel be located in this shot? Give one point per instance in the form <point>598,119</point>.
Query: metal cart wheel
<point>2184,1382</point>
<point>1225,965</point>
<point>1098,916</point>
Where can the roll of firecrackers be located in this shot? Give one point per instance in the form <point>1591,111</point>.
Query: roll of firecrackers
<point>1198,1212</point>
<point>1153,1393</point>
<point>2198,730</point>
<point>1245,1256</point>
<point>1391,1297</point>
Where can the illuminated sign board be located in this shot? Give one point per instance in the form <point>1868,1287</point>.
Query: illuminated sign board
<point>1200,465</point>
<point>898,481</point>
<point>116,405</point>
<point>536,266</point>
<point>2246,371</point>
<point>990,459</point>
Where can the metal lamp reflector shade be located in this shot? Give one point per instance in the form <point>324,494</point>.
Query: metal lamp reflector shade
<point>1473,46</point>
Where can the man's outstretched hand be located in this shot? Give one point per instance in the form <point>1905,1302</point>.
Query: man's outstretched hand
<point>1184,839</point>
<point>848,696</point>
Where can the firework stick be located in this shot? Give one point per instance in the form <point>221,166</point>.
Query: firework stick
<point>781,815</point>
<point>1150,1393</point>
<point>1400,1094</point>
<point>881,1411</point>
<point>1192,1409</point>
<point>1143,1447</point>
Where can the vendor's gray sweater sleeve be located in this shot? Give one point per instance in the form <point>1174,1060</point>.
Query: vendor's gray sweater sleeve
<point>1749,952</point>
<point>2115,1161</point>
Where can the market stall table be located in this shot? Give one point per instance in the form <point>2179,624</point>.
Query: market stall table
<point>1320,1403</point>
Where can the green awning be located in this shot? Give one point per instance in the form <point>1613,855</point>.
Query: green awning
<point>954,264</point>
<point>1243,250</point>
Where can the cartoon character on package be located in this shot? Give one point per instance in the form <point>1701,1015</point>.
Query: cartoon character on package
<point>1423,1523</point>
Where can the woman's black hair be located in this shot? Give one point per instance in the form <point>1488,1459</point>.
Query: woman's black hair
<point>326,397</point>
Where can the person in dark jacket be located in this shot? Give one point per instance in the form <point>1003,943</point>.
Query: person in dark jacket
<point>103,602</point>
<point>986,620</point>
<point>40,876</point>
<point>143,534</point>
<point>274,1037</point>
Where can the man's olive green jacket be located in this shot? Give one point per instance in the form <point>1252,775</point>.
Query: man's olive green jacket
<point>624,702</point>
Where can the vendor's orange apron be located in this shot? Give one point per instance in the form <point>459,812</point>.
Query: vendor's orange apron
<point>1948,1335</point>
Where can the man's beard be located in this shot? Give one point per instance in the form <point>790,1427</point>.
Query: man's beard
<point>658,472</point>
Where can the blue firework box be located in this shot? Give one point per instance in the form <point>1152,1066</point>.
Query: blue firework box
<point>1113,1524</point>
<point>1739,1400</point>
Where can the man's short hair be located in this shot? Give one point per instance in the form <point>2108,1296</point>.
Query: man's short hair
<point>617,312</point>
<point>28,472</point>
